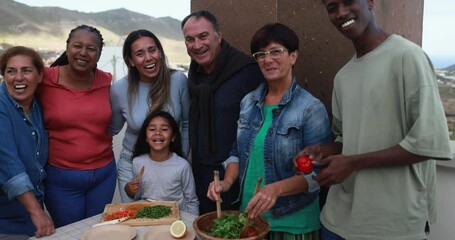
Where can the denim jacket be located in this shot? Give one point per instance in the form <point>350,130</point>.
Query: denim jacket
<point>23,154</point>
<point>299,121</point>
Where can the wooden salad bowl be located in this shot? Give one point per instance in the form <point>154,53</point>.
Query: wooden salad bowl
<point>204,223</point>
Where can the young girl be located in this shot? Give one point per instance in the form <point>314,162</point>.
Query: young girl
<point>166,175</point>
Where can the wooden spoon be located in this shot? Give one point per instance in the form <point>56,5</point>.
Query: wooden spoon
<point>216,178</point>
<point>141,173</point>
<point>246,227</point>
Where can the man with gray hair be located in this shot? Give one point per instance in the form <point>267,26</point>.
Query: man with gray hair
<point>219,77</point>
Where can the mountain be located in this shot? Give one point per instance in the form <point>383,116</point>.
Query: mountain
<point>450,68</point>
<point>48,27</point>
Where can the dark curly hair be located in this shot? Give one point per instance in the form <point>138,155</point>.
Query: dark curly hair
<point>63,59</point>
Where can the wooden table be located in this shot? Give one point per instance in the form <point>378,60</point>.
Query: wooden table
<point>75,230</point>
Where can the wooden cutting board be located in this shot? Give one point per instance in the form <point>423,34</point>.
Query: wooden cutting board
<point>114,207</point>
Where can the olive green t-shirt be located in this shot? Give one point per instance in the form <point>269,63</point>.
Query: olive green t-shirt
<point>387,97</point>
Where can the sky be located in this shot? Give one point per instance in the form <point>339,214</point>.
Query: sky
<point>156,8</point>
<point>438,32</point>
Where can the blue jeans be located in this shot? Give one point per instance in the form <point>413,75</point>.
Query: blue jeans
<point>72,195</point>
<point>326,234</point>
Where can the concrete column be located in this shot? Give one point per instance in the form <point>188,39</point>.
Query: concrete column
<point>323,50</point>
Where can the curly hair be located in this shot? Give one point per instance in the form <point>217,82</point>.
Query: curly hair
<point>63,59</point>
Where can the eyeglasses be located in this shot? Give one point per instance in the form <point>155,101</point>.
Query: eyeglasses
<point>274,54</point>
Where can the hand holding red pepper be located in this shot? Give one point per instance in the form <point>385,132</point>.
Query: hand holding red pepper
<point>304,164</point>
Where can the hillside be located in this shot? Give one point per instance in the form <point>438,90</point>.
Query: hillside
<point>450,68</point>
<point>48,27</point>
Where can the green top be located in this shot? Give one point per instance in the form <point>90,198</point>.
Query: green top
<point>303,221</point>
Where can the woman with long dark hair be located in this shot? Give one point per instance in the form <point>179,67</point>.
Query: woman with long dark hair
<point>149,86</point>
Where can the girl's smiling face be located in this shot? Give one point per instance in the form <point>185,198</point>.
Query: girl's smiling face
<point>159,135</point>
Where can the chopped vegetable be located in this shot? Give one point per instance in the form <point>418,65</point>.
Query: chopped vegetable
<point>158,211</point>
<point>304,164</point>
<point>252,232</point>
<point>228,226</point>
<point>120,214</point>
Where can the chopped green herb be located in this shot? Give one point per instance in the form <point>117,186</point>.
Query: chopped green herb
<point>158,211</point>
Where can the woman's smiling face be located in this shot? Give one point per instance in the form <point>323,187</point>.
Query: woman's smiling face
<point>277,68</point>
<point>146,58</point>
<point>83,50</point>
<point>21,79</point>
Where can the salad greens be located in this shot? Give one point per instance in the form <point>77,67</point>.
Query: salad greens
<point>228,226</point>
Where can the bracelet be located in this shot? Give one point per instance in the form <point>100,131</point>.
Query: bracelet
<point>313,186</point>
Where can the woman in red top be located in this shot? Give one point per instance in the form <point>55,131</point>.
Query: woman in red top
<point>75,97</point>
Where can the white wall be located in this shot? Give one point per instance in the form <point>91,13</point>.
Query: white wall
<point>444,228</point>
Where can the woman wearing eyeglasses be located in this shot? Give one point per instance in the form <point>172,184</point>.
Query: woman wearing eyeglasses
<point>276,120</point>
